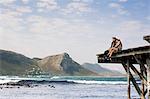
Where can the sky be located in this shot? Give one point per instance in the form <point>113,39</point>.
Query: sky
<point>81,28</point>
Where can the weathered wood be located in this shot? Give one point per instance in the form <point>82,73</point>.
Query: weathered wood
<point>120,56</point>
<point>128,74</point>
<point>142,67</point>
<point>133,80</point>
<point>148,76</point>
<point>139,74</point>
<point>142,83</point>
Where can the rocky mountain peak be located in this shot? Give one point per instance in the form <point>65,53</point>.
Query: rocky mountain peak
<point>62,63</point>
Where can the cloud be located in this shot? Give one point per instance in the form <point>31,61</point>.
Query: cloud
<point>115,5</point>
<point>43,5</point>
<point>24,9</point>
<point>88,1</point>
<point>77,7</point>
<point>123,0</point>
<point>57,27</point>
<point>130,26</point>
<point>120,9</point>
<point>25,1</point>
<point>11,20</point>
<point>5,2</point>
<point>132,29</point>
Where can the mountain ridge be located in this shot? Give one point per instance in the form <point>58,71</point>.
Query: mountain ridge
<point>63,64</point>
<point>12,63</point>
<point>101,70</point>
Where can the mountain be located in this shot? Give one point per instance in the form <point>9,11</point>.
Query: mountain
<point>100,70</point>
<point>62,64</point>
<point>12,63</point>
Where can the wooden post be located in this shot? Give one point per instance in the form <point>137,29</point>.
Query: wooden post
<point>139,74</point>
<point>142,84</point>
<point>148,76</point>
<point>133,80</point>
<point>128,74</point>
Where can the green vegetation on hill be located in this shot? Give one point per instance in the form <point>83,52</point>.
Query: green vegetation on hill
<point>12,63</point>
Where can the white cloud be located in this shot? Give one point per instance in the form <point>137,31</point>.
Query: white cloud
<point>47,5</point>
<point>123,0</point>
<point>115,5</point>
<point>10,20</point>
<point>120,9</point>
<point>130,26</point>
<point>24,9</point>
<point>58,26</point>
<point>132,29</point>
<point>77,7</point>
<point>25,1</point>
<point>88,1</point>
<point>5,2</point>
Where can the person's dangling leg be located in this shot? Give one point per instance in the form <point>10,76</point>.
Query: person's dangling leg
<point>114,50</point>
<point>110,50</point>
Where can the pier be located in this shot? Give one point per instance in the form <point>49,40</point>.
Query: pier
<point>130,59</point>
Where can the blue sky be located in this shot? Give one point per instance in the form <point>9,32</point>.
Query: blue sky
<point>82,28</point>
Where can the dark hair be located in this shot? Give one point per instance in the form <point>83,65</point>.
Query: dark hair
<point>114,37</point>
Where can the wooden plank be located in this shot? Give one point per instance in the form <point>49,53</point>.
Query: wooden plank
<point>148,76</point>
<point>118,57</point>
<point>142,49</point>
<point>131,54</point>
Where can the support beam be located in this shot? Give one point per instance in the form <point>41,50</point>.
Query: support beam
<point>128,74</point>
<point>148,76</point>
<point>139,74</point>
<point>141,64</point>
<point>133,80</point>
<point>142,83</point>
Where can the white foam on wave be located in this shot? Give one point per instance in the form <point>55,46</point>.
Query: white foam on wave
<point>2,81</point>
<point>55,77</point>
<point>97,82</point>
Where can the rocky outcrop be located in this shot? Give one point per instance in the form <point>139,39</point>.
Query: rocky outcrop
<point>62,64</point>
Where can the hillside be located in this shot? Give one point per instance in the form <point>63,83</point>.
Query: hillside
<point>62,64</point>
<point>100,70</point>
<point>12,63</point>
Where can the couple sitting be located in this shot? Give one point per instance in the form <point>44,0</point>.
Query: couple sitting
<point>116,46</point>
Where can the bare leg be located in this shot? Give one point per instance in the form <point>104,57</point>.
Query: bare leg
<point>112,51</point>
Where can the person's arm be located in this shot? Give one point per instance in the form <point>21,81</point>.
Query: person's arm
<point>117,44</point>
<point>112,44</point>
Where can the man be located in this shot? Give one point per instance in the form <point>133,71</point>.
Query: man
<point>116,46</point>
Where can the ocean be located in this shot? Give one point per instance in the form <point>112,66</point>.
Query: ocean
<point>64,87</point>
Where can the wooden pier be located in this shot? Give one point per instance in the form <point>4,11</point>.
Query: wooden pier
<point>128,58</point>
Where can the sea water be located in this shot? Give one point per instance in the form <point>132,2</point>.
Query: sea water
<point>65,87</point>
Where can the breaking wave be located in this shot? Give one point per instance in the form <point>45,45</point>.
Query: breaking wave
<point>63,80</point>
